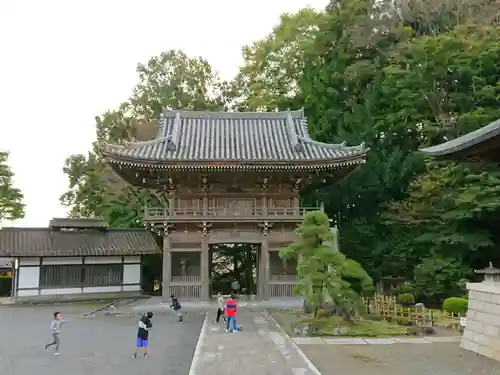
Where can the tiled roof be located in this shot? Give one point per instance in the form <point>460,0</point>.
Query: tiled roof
<point>256,137</point>
<point>77,222</point>
<point>46,242</point>
<point>465,142</point>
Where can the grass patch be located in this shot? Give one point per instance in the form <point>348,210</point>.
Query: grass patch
<point>288,319</point>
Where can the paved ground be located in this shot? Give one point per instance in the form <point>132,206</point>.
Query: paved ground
<point>259,349</point>
<point>399,358</point>
<point>100,345</point>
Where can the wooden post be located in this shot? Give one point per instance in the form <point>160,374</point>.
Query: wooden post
<point>166,268</point>
<point>205,271</point>
<point>264,276</point>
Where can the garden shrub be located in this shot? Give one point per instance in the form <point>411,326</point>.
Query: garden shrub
<point>455,305</point>
<point>404,288</point>
<point>406,299</point>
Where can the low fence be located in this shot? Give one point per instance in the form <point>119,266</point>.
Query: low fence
<point>387,307</point>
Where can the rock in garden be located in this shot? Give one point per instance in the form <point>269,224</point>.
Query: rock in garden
<point>303,329</point>
<point>339,331</point>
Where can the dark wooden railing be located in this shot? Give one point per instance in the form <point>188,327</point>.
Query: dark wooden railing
<point>193,213</point>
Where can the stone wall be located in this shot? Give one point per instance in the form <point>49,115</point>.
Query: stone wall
<point>482,333</point>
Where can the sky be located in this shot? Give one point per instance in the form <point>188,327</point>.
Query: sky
<point>64,62</point>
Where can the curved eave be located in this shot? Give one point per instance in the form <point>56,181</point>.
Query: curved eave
<point>222,166</point>
<point>469,142</point>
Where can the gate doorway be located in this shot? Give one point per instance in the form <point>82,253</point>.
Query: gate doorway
<point>229,262</point>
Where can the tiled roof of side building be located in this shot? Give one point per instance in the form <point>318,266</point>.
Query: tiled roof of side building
<point>45,242</point>
<point>233,136</point>
<point>466,141</point>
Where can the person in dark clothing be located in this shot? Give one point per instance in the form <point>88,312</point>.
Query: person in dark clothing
<point>176,306</point>
<point>143,334</point>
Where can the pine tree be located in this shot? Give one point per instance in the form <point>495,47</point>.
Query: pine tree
<point>327,278</point>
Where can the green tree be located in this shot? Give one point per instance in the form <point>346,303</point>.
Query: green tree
<point>273,65</point>
<point>451,212</point>
<point>440,88</point>
<point>397,95</point>
<point>324,273</point>
<point>11,198</point>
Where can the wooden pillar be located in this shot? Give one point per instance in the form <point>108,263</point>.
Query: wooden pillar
<point>264,268</point>
<point>296,205</point>
<point>205,271</point>
<point>166,268</point>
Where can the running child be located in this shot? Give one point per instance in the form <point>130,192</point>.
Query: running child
<point>55,328</point>
<point>142,342</point>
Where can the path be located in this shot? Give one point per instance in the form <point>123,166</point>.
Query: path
<point>260,348</point>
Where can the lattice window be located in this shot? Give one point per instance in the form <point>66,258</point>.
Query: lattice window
<point>60,276</point>
<point>102,274</point>
<point>70,276</point>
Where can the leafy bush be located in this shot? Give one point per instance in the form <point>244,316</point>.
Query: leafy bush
<point>456,305</point>
<point>406,299</point>
<point>404,288</point>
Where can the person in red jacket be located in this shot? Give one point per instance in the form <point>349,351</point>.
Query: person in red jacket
<point>230,311</point>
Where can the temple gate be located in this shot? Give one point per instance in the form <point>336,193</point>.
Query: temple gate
<point>229,177</point>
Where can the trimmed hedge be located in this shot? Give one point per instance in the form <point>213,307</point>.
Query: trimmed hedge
<point>456,305</point>
<point>406,299</point>
<point>404,289</point>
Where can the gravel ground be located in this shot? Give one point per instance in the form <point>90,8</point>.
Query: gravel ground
<point>99,345</point>
<point>398,359</point>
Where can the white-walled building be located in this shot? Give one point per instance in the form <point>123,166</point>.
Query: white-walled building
<point>75,258</point>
